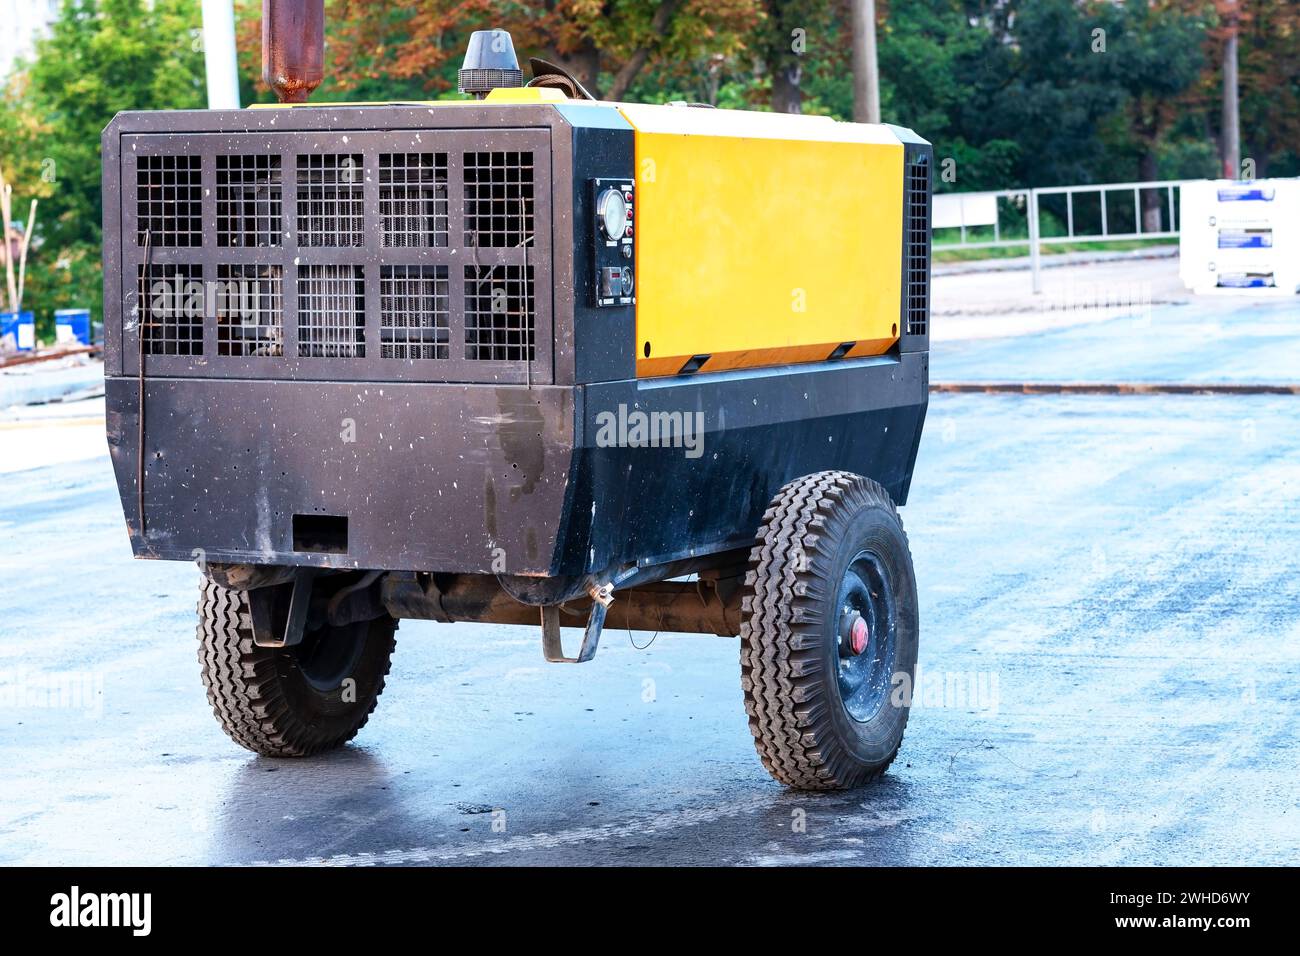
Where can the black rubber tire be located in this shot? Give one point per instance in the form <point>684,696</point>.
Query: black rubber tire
<point>789,652</point>
<point>262,698</point>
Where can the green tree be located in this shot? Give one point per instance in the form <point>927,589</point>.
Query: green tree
<point>1154,55</point>
<point>101,57</point>
<point>789,27</point>
<point>1270,85</point>
<point>384,50</point>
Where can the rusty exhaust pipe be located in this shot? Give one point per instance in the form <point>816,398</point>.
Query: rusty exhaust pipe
<point>293,47</point>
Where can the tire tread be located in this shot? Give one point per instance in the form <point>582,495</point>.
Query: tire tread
<point>785,695</point>
<point>245,682</point>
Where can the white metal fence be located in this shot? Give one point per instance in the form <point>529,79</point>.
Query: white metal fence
<point>1079,214</point>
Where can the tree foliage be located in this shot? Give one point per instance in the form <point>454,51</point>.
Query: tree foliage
<point>101,57</point>
<point>1269,70</point>
<point>398,50</point>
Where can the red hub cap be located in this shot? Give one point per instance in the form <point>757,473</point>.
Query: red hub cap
<point>859,636</point>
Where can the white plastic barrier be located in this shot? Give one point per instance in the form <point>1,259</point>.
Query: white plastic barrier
<point>1240,237</point>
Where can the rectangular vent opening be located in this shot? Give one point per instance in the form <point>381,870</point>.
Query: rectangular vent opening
<point>170,308</point>
<point>694,364</point>
<point>169,200</point>
<point>331,202</point>
<point>498,199</point>
<point>250,311</point>
<point>326,534</point>
<point>413,199</point>
<point>332,312</point>
<point>414,312</point>
<point>918,246</point>
<point>249,205</point>
<point>499,316</point>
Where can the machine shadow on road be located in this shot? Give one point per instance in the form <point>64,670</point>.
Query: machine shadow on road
<point>271,807</point>
<point>282,811</point>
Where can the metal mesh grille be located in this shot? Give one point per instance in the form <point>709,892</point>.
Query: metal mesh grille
<point>171,308</point>
<point>169,200</point>
<point>918,246</point>
<point>413,199</point>
<point>414,312</point>
<point>331,204</point>
<point>250,311</point>
<point>498,199</point>
<point>499,316</point>
<point>341,254</point>
<point>332,312</point>
<point>249,207</point>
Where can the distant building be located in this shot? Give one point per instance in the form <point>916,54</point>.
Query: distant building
<point>24,21</point>
<point>15,241</point>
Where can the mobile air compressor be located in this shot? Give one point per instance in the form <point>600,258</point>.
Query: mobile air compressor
<point>529,358</point>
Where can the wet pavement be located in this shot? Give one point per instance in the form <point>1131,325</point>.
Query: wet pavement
<point>1110,657</point>
<point>1223,341</point>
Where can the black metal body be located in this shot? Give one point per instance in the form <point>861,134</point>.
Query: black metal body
<point>378,439</point>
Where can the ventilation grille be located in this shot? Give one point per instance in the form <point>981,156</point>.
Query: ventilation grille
<point>413,199</point>
<point>331,312</point>
<point>358,255</point>
<point>918,246</point>
<point>331,201</point>
<point>499,315</point>
<point>498,199</point>
<point>249,208</point>
<point>250,311</point>
<point>169,200</point>
<point>414,312</point>
<point>171,308</point>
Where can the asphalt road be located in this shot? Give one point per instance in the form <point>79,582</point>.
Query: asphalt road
<point>1219,341</point>
<point>1110,655</point>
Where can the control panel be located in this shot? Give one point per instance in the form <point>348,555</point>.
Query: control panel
<point>612,244</point>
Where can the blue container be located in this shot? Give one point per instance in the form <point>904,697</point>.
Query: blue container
<point>72,325</point>
<point>18,330</point>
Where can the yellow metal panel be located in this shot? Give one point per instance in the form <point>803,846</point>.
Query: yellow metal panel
<point>763,238</point>
<point>526,94</point>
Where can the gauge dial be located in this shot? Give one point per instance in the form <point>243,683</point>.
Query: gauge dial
<point>611,208</point>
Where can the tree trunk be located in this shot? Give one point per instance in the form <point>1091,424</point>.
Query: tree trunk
<point>713,80</point>
<point>583,63</point>
<point>660,24</point>
<point>1152,199</point>
<point>787,94</point>
<point>784,46</point>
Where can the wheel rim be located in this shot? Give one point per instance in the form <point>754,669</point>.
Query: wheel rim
<point>328,654</point>
<point>866,635</point>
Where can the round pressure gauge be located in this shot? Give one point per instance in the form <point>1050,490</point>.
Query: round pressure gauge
<point>611,209</point>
